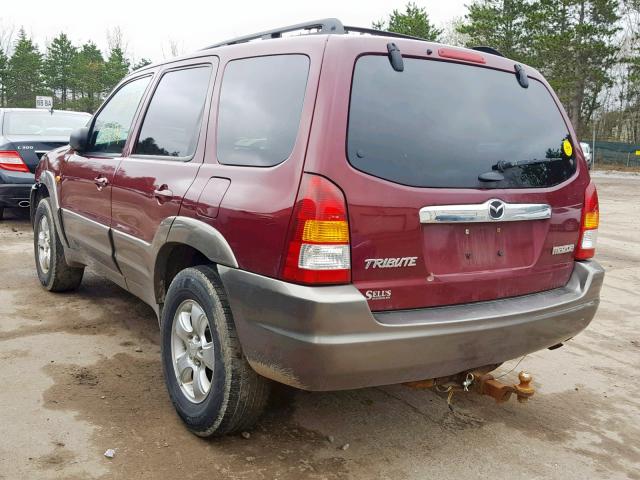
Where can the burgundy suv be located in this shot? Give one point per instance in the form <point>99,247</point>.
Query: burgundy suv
<point>328,211</point>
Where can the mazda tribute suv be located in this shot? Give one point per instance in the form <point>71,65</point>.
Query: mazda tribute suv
<point>334,210</point>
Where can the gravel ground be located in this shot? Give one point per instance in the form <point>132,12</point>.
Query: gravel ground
<point>81,374</point>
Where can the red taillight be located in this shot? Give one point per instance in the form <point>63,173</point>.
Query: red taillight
<point>589,225</point>
<point>318,250</point>
<point>11,160</point>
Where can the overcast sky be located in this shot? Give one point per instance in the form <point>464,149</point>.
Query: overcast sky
<point>149,27</point>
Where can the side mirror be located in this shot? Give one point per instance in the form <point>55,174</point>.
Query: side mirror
<point>79,139</point>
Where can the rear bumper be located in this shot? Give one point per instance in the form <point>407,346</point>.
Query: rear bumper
<point>326,338</point>
<point>14,195</point>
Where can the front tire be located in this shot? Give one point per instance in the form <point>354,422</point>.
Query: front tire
<point>53,272</point>
<point>213,388</point>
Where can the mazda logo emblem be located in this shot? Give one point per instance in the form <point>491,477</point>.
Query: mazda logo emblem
<point>496,209</point>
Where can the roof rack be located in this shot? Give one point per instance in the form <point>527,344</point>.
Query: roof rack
<point>324,26</point>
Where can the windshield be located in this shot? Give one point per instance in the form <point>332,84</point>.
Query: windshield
<point>43,123</point>
<point>442,124</point>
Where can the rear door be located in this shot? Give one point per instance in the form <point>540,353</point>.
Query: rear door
<point>442,209</point>
<point>87,177</point>
<point>164,159</point>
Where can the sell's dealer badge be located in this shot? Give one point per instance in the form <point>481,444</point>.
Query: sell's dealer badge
<point>378,294</point>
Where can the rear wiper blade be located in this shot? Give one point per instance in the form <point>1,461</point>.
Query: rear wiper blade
<point>502,165</point>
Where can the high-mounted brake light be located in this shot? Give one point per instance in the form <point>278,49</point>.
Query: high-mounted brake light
<point>11,160</point>
<point>318,250</point>
<point>589,226</point>
<point>456,54</point>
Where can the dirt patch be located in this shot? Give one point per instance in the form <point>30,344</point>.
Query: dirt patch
<point>58,459</point>
<point>124,397</point>
<point>12,354</point>
<point>84,376</point>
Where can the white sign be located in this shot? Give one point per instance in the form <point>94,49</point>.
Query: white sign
<point>44,102</point>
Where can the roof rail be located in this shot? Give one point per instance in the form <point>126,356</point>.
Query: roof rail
<point>489,50</point>
<point>324,26</point>
<point>381,33</point>
<point>327,25</point>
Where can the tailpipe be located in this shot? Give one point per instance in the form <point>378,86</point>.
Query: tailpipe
<point>24,204</point>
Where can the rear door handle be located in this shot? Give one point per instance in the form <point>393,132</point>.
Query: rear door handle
<point>163,194</point>
<point>101,182</point>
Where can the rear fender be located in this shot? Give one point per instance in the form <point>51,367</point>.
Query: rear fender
<point>193,233</point>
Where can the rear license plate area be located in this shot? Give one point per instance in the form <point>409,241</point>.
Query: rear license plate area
<point>478,247</point>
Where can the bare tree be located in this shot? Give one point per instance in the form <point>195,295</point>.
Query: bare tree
<point>451,34</point>
<point>618,117</point>
<point>174,49</point>
<point>6,38</point>
<point>116,39</point>
<point>6,45</point>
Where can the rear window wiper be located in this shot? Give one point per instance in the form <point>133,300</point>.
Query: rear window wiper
<point>495,175</point>
<point>502,165</point>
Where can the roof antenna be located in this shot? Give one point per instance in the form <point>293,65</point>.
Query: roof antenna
<point>521,75</point>
<point>395,57</point>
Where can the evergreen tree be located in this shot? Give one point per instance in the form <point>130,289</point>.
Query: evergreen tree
<point>58,72</point>
<point>413,21</point>
<point>500,24</point>
<point>88,78</point>
<point>574,41</point>
<point>4,71</point>
<point>143,62</point>
<point>24,76</point>
<point>116,68</point>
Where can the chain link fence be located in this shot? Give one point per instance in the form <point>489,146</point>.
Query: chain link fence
<point>615,153</point>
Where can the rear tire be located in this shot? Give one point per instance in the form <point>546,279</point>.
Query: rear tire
<point>53,272</point>
<point>1,213</point>
<point>212,386</point>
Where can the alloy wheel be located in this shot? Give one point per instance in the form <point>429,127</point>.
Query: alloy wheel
<point>44,245</point>
<point>192,351</point>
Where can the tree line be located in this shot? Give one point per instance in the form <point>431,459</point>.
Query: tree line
<point>77,76</point>
<point>588,50</point>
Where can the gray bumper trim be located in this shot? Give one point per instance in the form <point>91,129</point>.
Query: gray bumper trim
<point>326,338</point>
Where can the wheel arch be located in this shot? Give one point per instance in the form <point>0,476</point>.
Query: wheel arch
<point>47,182</point>
<point>38,192</point>
<point>188,242</point>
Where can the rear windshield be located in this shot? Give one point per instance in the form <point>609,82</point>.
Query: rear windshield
<point>442,124</point>
<point>42,123</point>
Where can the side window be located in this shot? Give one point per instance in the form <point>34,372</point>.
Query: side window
<point>260,106</point>
<point>113,123</point>
<point>172,122</point>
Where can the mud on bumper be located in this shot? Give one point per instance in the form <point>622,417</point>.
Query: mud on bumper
<point>326,338</point>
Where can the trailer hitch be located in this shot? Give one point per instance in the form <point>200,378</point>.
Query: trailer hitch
<point>487,384</point>
<point>482,382</point>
